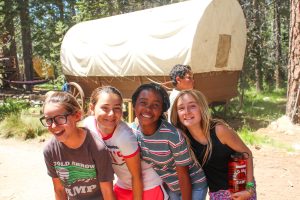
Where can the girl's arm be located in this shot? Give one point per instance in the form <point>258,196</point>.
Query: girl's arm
<point>230,137</point>
<point>59,189</point>
<point>134,166</point>
<point>107,190</point>
<point>184,182</point>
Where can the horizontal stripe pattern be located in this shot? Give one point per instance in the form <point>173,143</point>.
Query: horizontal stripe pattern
<point>165,149</point>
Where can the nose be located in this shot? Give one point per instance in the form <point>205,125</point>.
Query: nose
<point>53,125</point>
<point>149,107</point>
<point>111,112</point>
<point>187,110</point>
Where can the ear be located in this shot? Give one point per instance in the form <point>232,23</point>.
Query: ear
<point>78,115</point>
<point>91,108</point>
<point>177,79</point>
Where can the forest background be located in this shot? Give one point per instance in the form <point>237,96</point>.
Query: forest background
<point>32,32</point>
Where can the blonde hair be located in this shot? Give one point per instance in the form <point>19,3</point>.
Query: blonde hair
<point>205,123</point>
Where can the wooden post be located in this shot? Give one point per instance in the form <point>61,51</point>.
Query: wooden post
<point>129,110</point>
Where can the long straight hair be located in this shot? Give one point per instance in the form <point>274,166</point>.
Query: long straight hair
<point>205,122</point>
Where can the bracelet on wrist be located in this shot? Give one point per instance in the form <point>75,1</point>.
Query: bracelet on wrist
<point>250,185</point>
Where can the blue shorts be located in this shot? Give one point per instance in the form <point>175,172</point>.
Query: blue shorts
<point>197,194</point>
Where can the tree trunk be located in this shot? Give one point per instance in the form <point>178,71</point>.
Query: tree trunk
<point>257,47</point>
<point>26,41</point>
<point>278,54</point>
<point>9,14</point>
<point>293,99</point>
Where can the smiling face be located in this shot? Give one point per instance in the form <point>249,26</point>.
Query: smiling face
<point>188,110</point>
<point>62,132</point>
<point>186,82</point>
<point>107,111</point>
<point>148,109</point>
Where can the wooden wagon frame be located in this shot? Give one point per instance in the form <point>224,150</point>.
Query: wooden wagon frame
<point>140,47</point>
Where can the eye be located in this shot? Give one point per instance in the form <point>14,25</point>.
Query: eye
<point>117,109</point>
<point>156,106</point>
<point>193,106</point>
<point>104,108</point>
<point>143,103</point>
<point>180,108</point>
<point>48,121</point>
<point>60,118</point>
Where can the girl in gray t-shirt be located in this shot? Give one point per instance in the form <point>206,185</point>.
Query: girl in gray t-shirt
<point>79,164</point>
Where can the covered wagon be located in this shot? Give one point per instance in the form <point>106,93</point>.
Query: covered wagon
<point>139,47</point>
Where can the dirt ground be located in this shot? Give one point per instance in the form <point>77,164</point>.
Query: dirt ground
<point>23,173</point>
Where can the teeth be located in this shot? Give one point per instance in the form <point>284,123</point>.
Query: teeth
<point>59,133</point>
<point>146,116</point>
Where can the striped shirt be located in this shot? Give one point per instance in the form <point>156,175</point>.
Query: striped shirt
<point>166,149</point>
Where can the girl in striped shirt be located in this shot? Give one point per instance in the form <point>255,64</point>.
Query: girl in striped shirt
<point>164,147</point>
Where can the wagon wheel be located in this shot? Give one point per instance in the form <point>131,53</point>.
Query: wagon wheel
<point>77,92</point>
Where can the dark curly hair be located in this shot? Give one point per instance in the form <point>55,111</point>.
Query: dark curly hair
<point>179,70</point>
<point>155,87</point>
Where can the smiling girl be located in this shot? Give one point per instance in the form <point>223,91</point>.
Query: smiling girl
<point>213,143</point>
<point>136,179</point>
<point>164,147</point>
<point>78,163</point>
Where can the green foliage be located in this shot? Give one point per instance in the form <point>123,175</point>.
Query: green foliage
<point>250,138</point>
<point>12,106</point>
<point>253,111</point>
<point>266,106</point>
<point>88,10</point>
<point>261,49</point>
<point>50,20</point>
<point>257,111</point>
<point>25,125</point>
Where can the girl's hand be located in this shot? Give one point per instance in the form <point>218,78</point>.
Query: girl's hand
<point>242,195</point>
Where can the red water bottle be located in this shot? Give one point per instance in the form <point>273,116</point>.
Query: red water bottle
<point>237,172</point>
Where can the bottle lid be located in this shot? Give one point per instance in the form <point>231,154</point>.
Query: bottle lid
<point>240,155</point>
<point>237,155</point>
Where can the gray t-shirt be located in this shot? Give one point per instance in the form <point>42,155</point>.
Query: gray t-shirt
<point>80,170</point>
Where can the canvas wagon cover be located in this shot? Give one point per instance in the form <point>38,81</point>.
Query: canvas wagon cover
<point>209,35</point>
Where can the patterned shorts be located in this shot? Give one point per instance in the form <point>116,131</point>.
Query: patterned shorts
<point>224,195</point>
<point>220,195</point>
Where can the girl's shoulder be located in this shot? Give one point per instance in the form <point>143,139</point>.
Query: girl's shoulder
<point>170,131</point>
<point>53,146</point>
<point>223,132</point>
<point>92,141</point>
<point>123,133</point>
<point>50,145</point>
<point>89,123</point>
<point>123,129</point>
<point>168,126</point>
